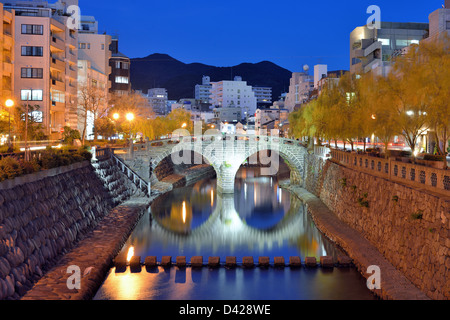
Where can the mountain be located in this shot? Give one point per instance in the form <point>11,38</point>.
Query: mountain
<point>162,71</point>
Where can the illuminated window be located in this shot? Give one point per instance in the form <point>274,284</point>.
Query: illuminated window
<point>385,42</point>
<point>31,95</point>
<point>122,80</point>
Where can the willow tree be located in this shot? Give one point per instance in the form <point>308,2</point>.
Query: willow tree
<point>404,88</point>
<point>434,56</point>
<point>381,109</point>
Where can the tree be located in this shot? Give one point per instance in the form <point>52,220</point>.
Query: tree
<point>91,101</point>
<point>381,110</point>
<point>104,127</point>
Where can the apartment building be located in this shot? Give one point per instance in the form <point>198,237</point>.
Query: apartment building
<point>6,54</point>
<point>301,85</point>
<point>94,69</point>
<point>45,62</point>
<point>373,49</point>
<point>157,99</point>
<point>233,94</point>
<point>120,70</point>
<point>440,20</point>
<point>263,96</point>
<point>203,91</point>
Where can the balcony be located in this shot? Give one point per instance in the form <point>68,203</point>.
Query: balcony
<point>373,63</point>
<point>57,45</point>
<point>58,84</point>
<point>57,64</point>
<point>7,69</point>
<point>58,106</point>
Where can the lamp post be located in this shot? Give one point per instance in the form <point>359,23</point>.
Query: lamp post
<point>9,104</point>
<point>130,118</point>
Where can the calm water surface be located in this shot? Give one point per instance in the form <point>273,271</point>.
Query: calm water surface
<point>261,219</point>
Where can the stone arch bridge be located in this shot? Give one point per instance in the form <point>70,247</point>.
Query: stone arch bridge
<point>225,154</point>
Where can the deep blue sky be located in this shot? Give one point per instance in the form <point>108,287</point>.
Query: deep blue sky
<point>290,33</point>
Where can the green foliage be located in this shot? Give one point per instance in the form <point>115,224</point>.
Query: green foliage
<point>343,182</point>
<point>418,215</point>
<point>363,202</point>
<point>70,135</point>
<point>395,198</point>
<point>431,157</point>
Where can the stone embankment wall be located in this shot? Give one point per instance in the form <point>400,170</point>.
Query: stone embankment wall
<point>410,227</point>
<point>44,215</point>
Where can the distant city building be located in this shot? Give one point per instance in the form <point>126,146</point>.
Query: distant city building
<point>120,70</point>
<point>373,49</point>
<point>203,91</point>
<point>233,94</point>
<point>301,85</point>
<point>228,114</point>
<point>269,119</point>
<point>45,62</point>
<point>263,96</point>
<point>440,20</point>
<point>157,99</point>
<point>331,79</point>
<point>320,71</point>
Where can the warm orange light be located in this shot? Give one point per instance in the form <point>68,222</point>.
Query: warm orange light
<point>116,116</point>
<point>9,103</point>
<point>184,213</point>
<point>130,116</point>
<point>184,125</point>
<point>374,117</point>
<point>212,198</point>
<point>130,254</point>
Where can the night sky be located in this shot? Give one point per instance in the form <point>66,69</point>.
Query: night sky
<point>290,33</point>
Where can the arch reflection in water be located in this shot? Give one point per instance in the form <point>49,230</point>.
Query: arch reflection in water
<point>197,221</point>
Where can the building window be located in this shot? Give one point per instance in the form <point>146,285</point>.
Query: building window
<point>32,51</point>
<point>35,73</point>
<point>448,25</point>
<point>32,29</point>
<point>84,46</point>
<point>122,80</point>
<point>125,65</point>
<point>103,46</point>
<point>58,96</point>
<point>385,42</point>
<point>31,95</point>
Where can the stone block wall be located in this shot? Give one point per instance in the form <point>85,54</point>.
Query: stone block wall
<point>410,227</point>
<point>42,216</point>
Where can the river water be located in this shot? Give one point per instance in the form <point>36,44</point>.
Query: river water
<point>260,219</point>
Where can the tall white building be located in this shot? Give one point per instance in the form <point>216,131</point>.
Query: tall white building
<point>320,71</point>
<point>233,94</point>
<point>300,88</point>
<point>93,68</point>
<point>203,91</point>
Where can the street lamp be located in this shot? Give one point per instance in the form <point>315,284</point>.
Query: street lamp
<point>130,117</point>
<point>9,104</point>
<point>184,125</point>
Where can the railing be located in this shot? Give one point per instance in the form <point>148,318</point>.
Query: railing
<point>106,153</point>
<point>433,179</point>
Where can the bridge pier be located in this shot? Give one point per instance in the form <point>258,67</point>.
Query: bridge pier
<point>226,179</point>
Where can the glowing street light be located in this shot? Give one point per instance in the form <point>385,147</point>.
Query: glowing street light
<point>116,116</point>
<point>130,117</point>
<point>9,104</point>
<point>184,125</point>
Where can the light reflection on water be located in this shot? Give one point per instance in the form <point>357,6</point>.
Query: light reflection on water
<point>261,219</point>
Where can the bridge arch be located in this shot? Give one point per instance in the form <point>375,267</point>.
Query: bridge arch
<point>226,154</point>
